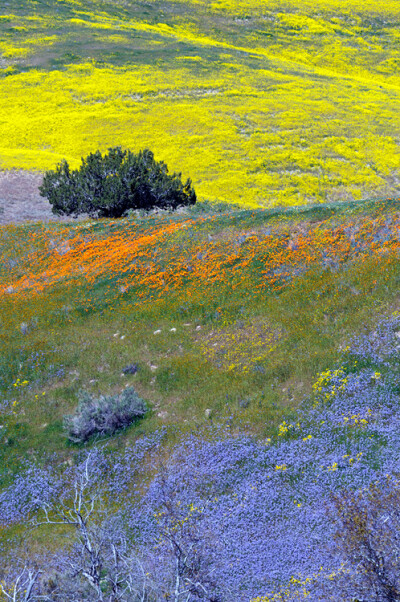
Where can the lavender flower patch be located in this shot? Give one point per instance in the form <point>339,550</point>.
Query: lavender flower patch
<point>380,346</point>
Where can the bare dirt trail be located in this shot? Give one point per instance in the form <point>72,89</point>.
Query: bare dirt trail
<point>21,201</point>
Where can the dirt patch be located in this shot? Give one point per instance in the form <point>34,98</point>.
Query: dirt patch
<point>20,200</point>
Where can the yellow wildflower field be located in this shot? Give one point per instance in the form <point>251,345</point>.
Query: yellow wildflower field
<point>260,103</point>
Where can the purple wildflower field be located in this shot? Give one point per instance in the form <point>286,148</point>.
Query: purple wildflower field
<point>250,515</point>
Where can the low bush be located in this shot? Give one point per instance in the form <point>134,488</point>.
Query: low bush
<point>103,416</point>
<point>112,185</point>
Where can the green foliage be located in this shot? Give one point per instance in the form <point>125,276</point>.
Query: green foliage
<point>110,186</point>
<point>104,415</point>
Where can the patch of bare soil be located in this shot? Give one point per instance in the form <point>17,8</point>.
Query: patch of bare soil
<point>20,200</point>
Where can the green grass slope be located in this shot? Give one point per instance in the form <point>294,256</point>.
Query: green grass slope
<point>232,311</point>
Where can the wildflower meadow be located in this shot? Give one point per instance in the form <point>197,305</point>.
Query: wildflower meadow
<point>274,105</point>
<point>201,403</point>
<point>204,305</point>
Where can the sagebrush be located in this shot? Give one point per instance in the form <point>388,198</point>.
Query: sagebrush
<point>104,415</point>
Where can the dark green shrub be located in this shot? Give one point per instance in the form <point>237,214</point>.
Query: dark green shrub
<point>104,415</point>
<point>111,185</point>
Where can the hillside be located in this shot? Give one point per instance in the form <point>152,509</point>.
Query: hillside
<point>231,368</point>
<point>260,103</point>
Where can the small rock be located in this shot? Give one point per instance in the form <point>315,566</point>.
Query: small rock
<point>157,332</point>
<point>172,329</point>
<point>198,327</point>
<point>24,328</point>
<point>116,334</point>
<point>123,336</point>
<point>208,414</point>
<point>131,369</point>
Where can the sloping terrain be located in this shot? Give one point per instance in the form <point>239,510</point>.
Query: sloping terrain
<point>258,330</point>
<point>259,103</point>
